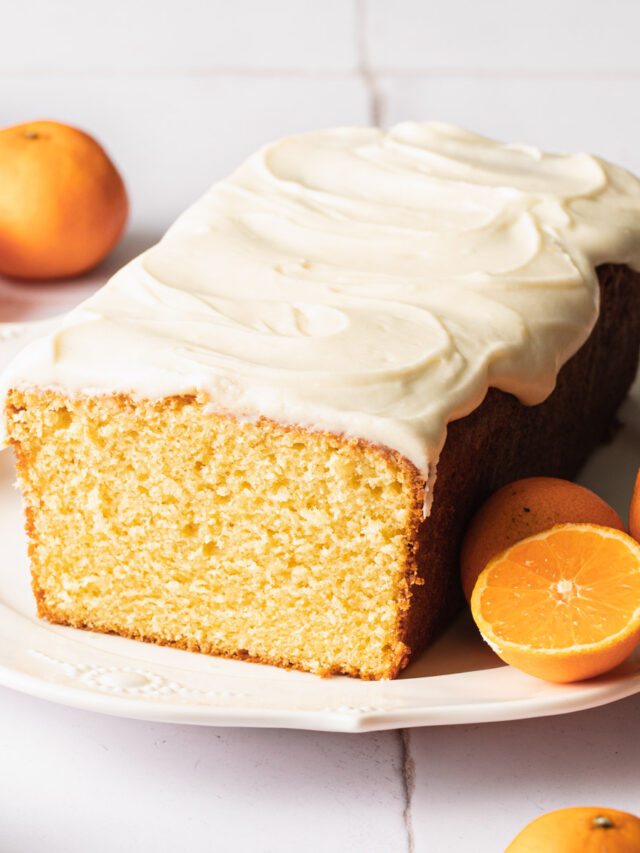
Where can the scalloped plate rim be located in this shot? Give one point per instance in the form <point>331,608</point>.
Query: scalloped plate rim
<point>90,680</point>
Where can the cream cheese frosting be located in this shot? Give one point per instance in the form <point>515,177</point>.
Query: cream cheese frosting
<point>368,283</point>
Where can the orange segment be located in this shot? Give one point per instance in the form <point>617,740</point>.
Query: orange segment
<point>563,604</point>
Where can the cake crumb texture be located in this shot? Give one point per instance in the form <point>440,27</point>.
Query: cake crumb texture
<point>160,521</point>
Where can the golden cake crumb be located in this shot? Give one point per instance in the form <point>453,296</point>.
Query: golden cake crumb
<point>160,521</point>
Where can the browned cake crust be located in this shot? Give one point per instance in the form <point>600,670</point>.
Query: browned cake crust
<point>503,440</point>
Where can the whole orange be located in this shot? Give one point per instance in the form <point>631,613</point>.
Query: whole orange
<point>634,510</point>
<point>579,830</point>
<point>521,509</point>
<point>63,204</point>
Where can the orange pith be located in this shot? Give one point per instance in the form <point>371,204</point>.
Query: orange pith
<point>563,604</point>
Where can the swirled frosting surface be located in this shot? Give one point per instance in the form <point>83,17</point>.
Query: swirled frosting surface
<point>364,282</point>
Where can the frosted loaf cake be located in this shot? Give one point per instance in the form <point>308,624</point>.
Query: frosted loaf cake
<point>263,436</point>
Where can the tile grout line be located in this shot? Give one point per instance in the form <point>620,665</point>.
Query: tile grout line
<point>408,770</point>
<point>213,72</point>
<point>365,70</point>
<point>520,73</point>
<point>362,69</point>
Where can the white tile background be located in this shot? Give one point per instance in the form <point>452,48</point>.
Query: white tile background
<point>179,92</point>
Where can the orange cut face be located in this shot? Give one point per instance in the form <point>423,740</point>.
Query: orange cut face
<point>563,604</point>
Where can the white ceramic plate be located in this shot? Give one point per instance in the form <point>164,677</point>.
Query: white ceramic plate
<point>458,680</point>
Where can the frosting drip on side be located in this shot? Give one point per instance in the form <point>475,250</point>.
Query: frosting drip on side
<point>364,282</point>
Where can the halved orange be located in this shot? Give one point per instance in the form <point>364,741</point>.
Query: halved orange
<point>563,604</point>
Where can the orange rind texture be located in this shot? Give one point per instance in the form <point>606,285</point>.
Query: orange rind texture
<point>582,829</point>
<point>63,204</point>
<point>521,509</point>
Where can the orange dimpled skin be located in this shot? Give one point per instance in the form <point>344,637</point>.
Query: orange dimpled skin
<point>634,510</point>
<point>563,605</point>
<point>583,829</point>
<point>521,509</point>
<point>63,204</point>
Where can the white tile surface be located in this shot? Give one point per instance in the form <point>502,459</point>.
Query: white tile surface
<point>73,782</point>
<point>600,116</point>
<point>548,34</point>
<point>22,300</point>
<point>479,785</point>
<point>180,93</point>
<point>139,34</point>
<point>173,135</point>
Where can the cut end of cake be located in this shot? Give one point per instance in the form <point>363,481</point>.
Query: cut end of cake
<point>159,521</point>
